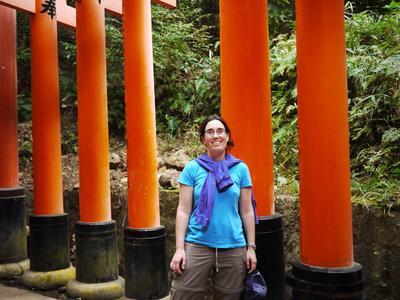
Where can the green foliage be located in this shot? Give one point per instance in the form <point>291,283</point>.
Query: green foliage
<point>370,5</point>
<point>281,17</point>
<point>374,104</point>
<point>25,143</point>
<point>376,192</point>
<point>115,74</point>
<point>185,68</point>
<point>24,108</point>
<point>24,70</point>
<point>284,110</point>
<point>67,67</point>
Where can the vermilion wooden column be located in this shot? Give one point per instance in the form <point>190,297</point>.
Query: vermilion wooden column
<point>245,92</point>
<point>246,105</point>
<point>145,256</point>
<point>13,250</point>
<point>49,238</point>
<point>325,210</point>
<point>143,202</point>
<point>45,114</point>
<point>96,248</point>
<point>326,250</point>
<point>94,187</point>
<point>8,100</point>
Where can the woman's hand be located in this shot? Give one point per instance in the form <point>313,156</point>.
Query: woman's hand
<point>247,215</point>
<point>251,259</point>
<point>178,262</point>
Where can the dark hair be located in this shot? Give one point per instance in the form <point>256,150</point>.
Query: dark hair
<point>203,125</point>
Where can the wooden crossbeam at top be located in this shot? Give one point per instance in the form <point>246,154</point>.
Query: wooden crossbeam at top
<point>66,13</point>
<point>26,6</point>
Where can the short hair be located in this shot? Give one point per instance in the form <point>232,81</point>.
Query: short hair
<point>208,119</point>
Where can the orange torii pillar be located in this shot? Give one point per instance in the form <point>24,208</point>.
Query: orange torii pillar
<point>326,269</point>
<point>96,244</point>
<point>13,248</point>
<point>49,237</point>
<point>246,105</point>
<point>146,275</point>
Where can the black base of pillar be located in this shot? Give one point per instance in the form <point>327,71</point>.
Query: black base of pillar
<point>49,242</point>
<point>96,252</point>
<point>13,244</point>
<point>146,275</point>
<point>270,258</point>
<point>315,283</point>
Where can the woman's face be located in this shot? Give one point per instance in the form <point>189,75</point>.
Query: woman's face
<point>215,137</point>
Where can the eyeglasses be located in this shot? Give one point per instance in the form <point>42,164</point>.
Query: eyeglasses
<point>211,132</point>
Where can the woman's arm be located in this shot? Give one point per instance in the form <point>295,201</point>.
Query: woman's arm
<point>247,215</point>
<point>178,261</point>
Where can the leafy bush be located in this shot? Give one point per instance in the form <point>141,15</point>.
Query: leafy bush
<point>115,74</point>
<point>186,70</point>
<point>374,104</point>
<point>24,70</point>
<point>284,109</point>
<point>281,17</point>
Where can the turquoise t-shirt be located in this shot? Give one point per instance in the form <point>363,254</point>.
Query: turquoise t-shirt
<point>225,229</point>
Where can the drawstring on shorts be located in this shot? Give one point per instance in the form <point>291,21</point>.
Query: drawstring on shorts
<point>216,260</point>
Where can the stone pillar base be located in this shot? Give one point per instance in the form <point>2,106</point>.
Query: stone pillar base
<point>13,245</point>
<point>317,283</point>
<point>49,242</point>
<point>96,291</point>
<point>270,256</point>
<point>48,280</point>
<point>96,252</point>
<point>146,271</point>
<point>12,270</point>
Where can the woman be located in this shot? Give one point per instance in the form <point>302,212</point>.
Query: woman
<point>214,221</point>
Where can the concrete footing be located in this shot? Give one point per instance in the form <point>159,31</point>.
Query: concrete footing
<point>96,263</point>
<point>48,280</point>
<point>12,270</point>
<point>96,291</point>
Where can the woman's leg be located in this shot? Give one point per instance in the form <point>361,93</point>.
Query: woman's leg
<point>192,284</point>
<point>229,280</point>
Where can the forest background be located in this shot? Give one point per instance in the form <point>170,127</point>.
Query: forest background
<point>187,87</point>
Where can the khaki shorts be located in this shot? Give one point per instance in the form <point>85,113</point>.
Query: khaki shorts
<point>229,273</point>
